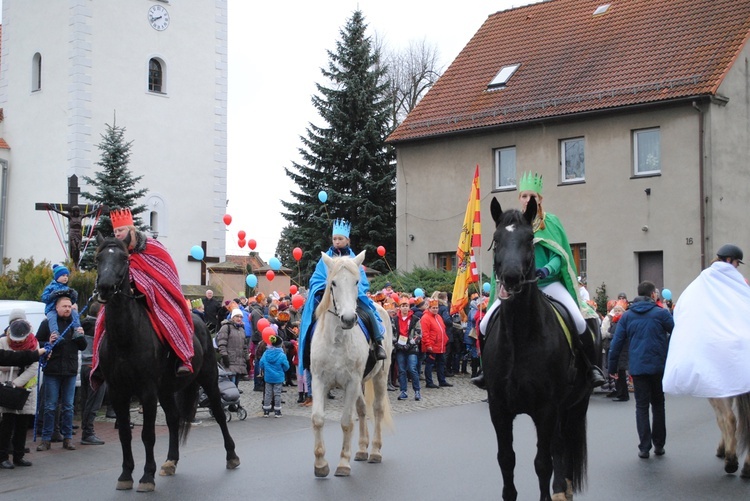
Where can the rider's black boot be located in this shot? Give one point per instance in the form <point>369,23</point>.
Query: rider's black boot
<point>380,353</point>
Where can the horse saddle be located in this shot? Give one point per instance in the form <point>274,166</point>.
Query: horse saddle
<point>563,316</point>
<point>365,323</point>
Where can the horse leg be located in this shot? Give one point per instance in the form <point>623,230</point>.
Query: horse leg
<point>743,429</point>
<point>214,397</point>
<point>319,391</point>
<point>548,446</point>
<point>506,457</point>
<point>147,483</point>
<point>172,417</point>
<point>121,405</point>
<point>379,409</point>
<point>728,425</point>
<point>352,393</point>
<point>364,435</point>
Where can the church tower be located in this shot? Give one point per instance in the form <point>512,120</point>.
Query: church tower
<point>158,68</point>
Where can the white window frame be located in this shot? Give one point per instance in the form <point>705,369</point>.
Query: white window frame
<point>502,77</point>
<point>652,160</point>
<point>564,143</point>
<point>499,168</point>
<point>163,64</point>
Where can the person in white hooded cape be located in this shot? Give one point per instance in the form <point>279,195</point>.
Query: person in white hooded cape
<point>709,351</point>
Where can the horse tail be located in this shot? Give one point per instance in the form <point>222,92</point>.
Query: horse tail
<point>187,402</point>
<point>387,421</point>
<point>743,422</point>
<point>576,448</point>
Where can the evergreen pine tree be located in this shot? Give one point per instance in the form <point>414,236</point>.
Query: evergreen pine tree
<point>347,158</point>
<point>115,184</point>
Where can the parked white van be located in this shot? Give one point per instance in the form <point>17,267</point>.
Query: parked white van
<point>34,312</point>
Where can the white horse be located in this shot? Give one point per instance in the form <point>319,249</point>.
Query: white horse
<point>338,356</point>
<point>735,430</point>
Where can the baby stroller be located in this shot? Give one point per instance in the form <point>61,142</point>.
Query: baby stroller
<point>230,397</point>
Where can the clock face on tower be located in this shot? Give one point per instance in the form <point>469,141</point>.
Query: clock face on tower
<point>158,18</point>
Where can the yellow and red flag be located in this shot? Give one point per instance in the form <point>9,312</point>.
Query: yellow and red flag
<point>471,236</point>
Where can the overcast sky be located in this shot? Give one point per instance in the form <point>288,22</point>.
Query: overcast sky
<point>276,50</point>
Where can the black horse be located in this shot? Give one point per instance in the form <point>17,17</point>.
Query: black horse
<point>530,367</point>
<point>135,363</point>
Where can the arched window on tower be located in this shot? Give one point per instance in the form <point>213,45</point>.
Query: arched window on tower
<point>156,76</point>
<point>154,223</point>
<point>36,72</point>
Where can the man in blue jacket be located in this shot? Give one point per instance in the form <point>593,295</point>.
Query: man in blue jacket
<point>647,326</point>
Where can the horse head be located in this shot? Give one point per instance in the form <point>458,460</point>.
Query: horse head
<point>513,244</point>
<point>342,288</point>
<point>112,268</point>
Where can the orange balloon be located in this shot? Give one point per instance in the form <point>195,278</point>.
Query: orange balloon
<point>252,243</point>
<point>227,219</point>
<point>263,323</point>
<point>297,253</point>
<point>298,301</point>
<point>270,275</point>
<point>293,290</point>
<point>267,333</point>
<point>381,251</point>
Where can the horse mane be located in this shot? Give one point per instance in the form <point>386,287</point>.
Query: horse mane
<point>339,262</point>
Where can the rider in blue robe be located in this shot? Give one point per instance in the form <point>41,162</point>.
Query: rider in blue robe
<point>318,280</point>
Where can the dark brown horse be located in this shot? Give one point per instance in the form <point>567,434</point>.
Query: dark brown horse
<point>136,364</point>
<point>530,367</point>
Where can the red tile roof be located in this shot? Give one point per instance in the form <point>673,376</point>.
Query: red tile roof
<point>3,144</point>
<point>639,51</point>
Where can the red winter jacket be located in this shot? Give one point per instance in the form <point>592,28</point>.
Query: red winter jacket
<point>433,333</point>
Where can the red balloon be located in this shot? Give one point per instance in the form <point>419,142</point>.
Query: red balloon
<point>298,301</point>
<point>270,275</point>
<point>263,323</point>
<point>241,234</point>
<point>227,219</point>
<point>395,298</point>
<point>293,290</point>
<point>297,253</point>
<point>267,333</point>
<point>252,244</point>
<point>241,242</point>
<point>381,251</point>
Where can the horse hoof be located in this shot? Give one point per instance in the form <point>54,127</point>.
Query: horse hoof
<point>124,485</point>
<point>146,487</point>
<point>720,452</point>
<point>375,458</point>
<point>361,456</point>
<point>731,465</point>
<point>233,463</point>
<point>168,469</point>
<point>343,471</point>
<point>745,471</point>
<point>322,471</point>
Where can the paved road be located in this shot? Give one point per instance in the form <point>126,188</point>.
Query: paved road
<point>442,448</point>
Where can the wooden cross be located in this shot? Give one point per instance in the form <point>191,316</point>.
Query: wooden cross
<point>206,259</point>
<point>75,233</point>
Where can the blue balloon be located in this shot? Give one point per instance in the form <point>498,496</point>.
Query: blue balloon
<point>274,263</point>
<point>322,196</point>
<point>418,292</point>
<point>666,294</point>
<point>486,287</point>
<point>251,280</point>
<point>197,252</point>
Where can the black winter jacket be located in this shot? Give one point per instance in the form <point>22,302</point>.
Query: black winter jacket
<point>64,358</point>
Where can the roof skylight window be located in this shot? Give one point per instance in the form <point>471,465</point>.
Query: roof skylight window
<point>502,77</point>
<point>601,9</point>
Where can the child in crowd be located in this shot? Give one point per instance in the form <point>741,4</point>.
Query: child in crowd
<point>56,288</point>
<point>273,364</point>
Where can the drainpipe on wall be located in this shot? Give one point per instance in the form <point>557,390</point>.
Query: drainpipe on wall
<point>3,206</point>
<point>701,183</point>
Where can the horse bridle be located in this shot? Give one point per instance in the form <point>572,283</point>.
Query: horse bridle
<point>522,283</point>
<point>117,289</point>
<point>335,310</point>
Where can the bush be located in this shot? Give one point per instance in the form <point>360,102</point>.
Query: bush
<point>429,280</point>
<point>29,280</point>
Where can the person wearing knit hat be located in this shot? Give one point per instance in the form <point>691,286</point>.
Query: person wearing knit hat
<point>56,289</point>
<point>555,270</point>
<point>340,247</point>
<point>16,314</point>
<point>154,275</point>
<point>15,423</point>
<point>232,345</point>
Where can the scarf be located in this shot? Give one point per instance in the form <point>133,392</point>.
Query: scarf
<point>29,343</point>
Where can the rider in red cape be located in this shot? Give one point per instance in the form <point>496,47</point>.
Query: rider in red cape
<point>154,274</point>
